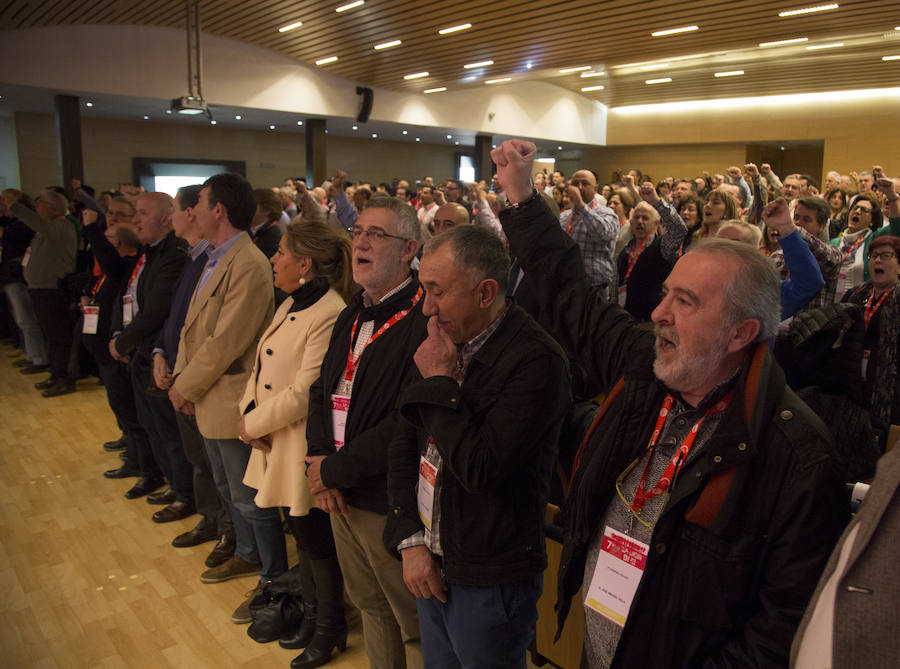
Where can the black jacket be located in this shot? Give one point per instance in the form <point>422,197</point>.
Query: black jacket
<point>155,287</point>
<point>749,523</point>
<point>646,279</point>
<point>497,435</point>
<point>359,469</point>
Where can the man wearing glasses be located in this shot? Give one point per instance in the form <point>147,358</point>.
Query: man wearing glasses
<point>352,419</point>
<point>702,504</point>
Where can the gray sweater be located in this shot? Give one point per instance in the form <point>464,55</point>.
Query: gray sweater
<point>53,248</point>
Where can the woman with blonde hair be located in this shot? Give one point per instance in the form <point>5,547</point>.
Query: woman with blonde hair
<point>312,265</point>
<point>719,206</point>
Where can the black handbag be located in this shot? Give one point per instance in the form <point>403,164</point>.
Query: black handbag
<point>277,610</point>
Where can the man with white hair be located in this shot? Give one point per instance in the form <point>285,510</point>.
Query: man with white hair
<point>702,503</point>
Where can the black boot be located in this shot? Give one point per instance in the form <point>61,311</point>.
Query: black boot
<point>301,636</point>
<point>331,626</point>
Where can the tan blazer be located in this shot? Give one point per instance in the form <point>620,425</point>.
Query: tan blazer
<point>223,323</point>
<point>287,362</point>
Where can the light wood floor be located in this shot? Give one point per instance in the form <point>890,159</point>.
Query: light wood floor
<point>86,578</point>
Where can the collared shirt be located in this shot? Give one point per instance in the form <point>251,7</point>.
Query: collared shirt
<point>601,634</point>
<point>594,228</point>
<point>829,259</point>
<point>431,539</point>
<point>214,255</point>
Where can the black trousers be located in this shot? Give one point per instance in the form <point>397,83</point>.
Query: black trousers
<point>51,308</point>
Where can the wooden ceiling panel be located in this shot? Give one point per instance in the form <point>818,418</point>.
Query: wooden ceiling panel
<point>551,36</point>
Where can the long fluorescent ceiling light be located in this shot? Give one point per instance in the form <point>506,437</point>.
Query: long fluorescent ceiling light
<point>808,10</point>
<point>351,5</point>
<point>587,75</point>
<point>454,29</point>
<point>796,40</point>
<point>674,31</point>
<point>482,63</point>
<point>588,89</point>
<point>417,75</point>
<point>664,80</point>
<point>730,73</point>
<point>387,45</point>
<point>816,47</point>
<point>325,61</point>
<point>291,26</point>
<point>569,70</point>
<point>498,81</point>
<point>436,90</point>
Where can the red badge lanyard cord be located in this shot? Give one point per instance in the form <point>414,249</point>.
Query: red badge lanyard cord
<point>352,362</point>
<point>262,230</point>
<point>134,272</point>
<point>642,494</point>
<point>853,247</point>
<point>97,285</point>
<point>593,205</point>
<point>633,256</point>
<point>870,310</point>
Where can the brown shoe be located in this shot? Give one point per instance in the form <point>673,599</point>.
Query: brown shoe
<point>234,567</point>
<point>241,615</point>
<point>221,552</point>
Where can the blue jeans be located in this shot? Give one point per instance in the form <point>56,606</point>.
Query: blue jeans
<point>257,532</point>
<point>26,321</point>
<point>480,627</point>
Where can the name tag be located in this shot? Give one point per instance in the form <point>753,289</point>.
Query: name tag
<point>623,295</point>
<point>91,317</point>
<point>340,405</point>
<point>26,257</point>
<point>619,569</point>
<point>127,310</point>
<point>425,491</point>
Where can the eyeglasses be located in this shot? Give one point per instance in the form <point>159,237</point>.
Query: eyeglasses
<point>884,255</point>
<point>373,233</point>
<point>867,210</point>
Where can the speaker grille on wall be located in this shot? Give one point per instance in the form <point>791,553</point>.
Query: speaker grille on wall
<point>365,103</point>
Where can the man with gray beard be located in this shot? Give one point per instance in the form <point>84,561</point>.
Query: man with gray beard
<point>702,505</point>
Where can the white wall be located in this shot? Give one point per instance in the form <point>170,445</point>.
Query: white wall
<point>150,62</point>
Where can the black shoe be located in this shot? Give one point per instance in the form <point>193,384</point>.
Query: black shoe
<point>46,383</point>
<point>59,387</point>
<point>123,472</point>
<point>24,362</point>
<point>301,636</point>
<point>221,553</point>
<point>331,625</point>
<point>319,650</point>
<point>33,369</point>
<point>175,511</point>
<point>116,445</point>
<point>144,486</point>
<point>164,497</point>
<point>200,534</point>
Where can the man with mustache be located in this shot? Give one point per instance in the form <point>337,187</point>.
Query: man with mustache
<point>702,505</point>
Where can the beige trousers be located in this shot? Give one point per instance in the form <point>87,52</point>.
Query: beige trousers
<point>373,579</point>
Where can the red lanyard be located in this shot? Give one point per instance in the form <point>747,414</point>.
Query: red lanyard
<point>262,230</point>
<point>870,310</point>
<point>352,362</point>
<point>642,494</point>
<point>853,247</point>
<point>137,268</point>
<point>633,256</point>
<point>593,205</point>
<point>97,285</point>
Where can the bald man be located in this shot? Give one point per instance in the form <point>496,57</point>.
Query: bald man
<point>141,311</point>
<point>592,225</point>
<point>449,216</point>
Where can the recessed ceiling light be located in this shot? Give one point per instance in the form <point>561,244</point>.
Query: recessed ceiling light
<point>580,68</point>
<point>482,63</point>
<point>326,131</point>
<point>212,122</point>
<point>449,136</point>
<point>664,80</point>
<point>559,148</point>
<point>588,75</point>
<point>890,58</point>
<point>351,5</point>
<point>588,89</point>
<point>436,90</point>
<point>796,40</point>
<point>325,61</point>
<point>674,31</point>
<point>374,134</point>
<point>299,122</point>
<point>290,26</point>
<point>146,118</point>
<point>387,45</point>
<point>493,146</point>
<point>168,111</point>
<point>498,81</point>
<point>416,75</point>
<point>730,73</point>
<point>88,104</point>
<point>356,127</point>
<point>237,118</point>
<point>418,139</point>
<point>406,132</point>
<point>454,29</point>
<point>456,143</point>
<point>528,65</point>
<point>271,127</point>
<point>815,47</point>
<point>808,10</point>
